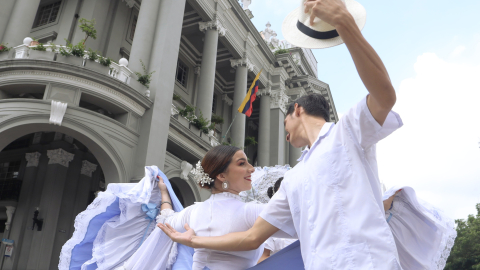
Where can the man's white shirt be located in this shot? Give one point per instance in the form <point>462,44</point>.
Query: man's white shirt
<point>332,198</point>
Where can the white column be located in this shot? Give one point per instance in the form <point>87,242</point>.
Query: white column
<point>20,22</point>
<point>50,202</point>
<point>227,103</point>
<point>279,102</point>
<point>241,75</point>
<point>144,35</point>
<point>264,128</point>
<point>293,155</point>
<point>209,60</point>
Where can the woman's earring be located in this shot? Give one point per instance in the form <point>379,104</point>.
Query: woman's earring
<point>225,185</point>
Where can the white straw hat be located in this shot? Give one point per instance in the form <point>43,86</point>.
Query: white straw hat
<point>297,30</point>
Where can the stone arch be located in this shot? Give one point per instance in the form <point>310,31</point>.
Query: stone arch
<point>111,163</point>
<point>189,186</point>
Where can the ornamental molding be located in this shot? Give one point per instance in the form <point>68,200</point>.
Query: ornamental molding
<point>78,82</point>
<point>186,168</point>
<point>88,168</point>
<point>279,100</point>
<point>264,92</point>
<point>227,100</point>
<point>130,3</point>
<point>173,110</point>
<point>242,62</point>
<point>197,70</point>
<point>213,25</point>
<point>57,112</point>
<point>32,159</point>
<point>59,156</point>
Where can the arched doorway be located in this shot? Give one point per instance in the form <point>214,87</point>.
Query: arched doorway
<point>183,191</point>
<point>52,173</point>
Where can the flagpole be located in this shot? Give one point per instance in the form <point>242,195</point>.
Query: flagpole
<point>223,138</point>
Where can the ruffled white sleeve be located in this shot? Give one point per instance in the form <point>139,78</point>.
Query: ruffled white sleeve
<point>176,219</point>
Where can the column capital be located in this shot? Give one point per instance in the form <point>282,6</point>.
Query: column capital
<point>242,62</point>
<point>227,99</point>
<point>130,3</point>
<point>186,168</point>
<point>197,70</point>
<point>279,100</point>
<point>88,168</point>
<point>32,159</point>
<point>59,156</point>
<point>264,92</point>
<point>213,25</point>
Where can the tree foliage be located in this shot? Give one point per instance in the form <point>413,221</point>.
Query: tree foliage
<point>465,254</point>
<point>88,27</point>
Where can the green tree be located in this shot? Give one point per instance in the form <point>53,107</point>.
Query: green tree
<point>465,254</point>
<point>88,27</point>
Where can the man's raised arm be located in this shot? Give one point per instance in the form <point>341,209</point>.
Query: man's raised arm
<point>369,65</point>
<point>238,241</point>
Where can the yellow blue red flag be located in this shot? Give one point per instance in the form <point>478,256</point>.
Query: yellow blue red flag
<point>246,107</point>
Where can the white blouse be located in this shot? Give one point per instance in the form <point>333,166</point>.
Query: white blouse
<point>221,214</point>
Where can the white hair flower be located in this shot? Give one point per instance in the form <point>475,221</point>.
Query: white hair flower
<point>200,176</point>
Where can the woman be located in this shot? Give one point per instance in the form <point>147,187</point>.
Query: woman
<point>225,171</point>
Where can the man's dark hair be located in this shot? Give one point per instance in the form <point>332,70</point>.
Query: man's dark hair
<point>313,104</point>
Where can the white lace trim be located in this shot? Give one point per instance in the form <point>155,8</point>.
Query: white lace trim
<point>228,194</point>
<point>262,179</point>
<point>446,224</point>
<point>164,214</point>
<point>448,237</point>
<point>172,257</point>
<point>98,206</point>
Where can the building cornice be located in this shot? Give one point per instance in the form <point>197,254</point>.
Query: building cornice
<point>49,71</point>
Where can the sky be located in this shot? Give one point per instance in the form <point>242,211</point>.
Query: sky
<point>431,50</point>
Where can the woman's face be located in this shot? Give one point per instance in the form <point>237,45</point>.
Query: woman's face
<point>238,173</point>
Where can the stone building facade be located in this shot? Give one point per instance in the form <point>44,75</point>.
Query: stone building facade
<point>69,126</point>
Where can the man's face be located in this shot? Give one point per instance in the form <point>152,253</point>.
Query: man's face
<point>292,128</point>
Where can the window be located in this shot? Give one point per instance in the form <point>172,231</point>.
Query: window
<point>9,170</point>
<point>214,103</point>
<point>182,71</point>
<point>10,185</point>
<point>133,26</point>
<point>47,14</point>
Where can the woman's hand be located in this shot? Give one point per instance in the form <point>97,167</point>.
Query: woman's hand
<point>181,238</point>
<point>330,11</point>
<point>387,204</point>
<point>161,185</point>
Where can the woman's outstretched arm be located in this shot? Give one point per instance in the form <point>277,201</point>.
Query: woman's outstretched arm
<point>238,241</point>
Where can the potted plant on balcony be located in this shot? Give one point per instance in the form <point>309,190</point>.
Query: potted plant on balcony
<point>202,124</point>
<point>40,52</point>
<point>186,115</point>
<point>93,62</point>
<point>34,42</point>
<point>250,141</point>
<point>72,54</point>
<point>143,80</point>
<point>4,51</point>
<point>215,120</point>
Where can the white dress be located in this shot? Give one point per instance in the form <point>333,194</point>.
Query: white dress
<point>423,234</point>
<point>221,214</point>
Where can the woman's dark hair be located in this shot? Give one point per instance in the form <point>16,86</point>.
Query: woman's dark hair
<point>274,189</point>
<point>216,161</point>
<point>313,104</point>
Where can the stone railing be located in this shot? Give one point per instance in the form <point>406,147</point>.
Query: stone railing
<point>119,70</point>
<point>210,137</point>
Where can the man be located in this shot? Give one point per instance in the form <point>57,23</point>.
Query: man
<point>332,199</point>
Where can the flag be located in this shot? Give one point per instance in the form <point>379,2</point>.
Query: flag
<point>246,107</point>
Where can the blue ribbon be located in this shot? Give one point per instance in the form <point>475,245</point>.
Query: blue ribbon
<point>389,217</point>
<point>151,211</point>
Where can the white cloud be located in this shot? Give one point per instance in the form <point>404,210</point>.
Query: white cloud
<point>437,150</point>
<point>458,50</point>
